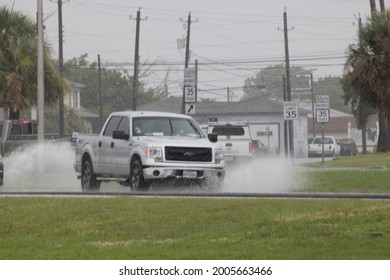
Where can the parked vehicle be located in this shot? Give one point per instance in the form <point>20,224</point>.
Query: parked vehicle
<point>236,140</point>
<point>138,148</point>
<point>348,147</point>
<point>17,133</point>
<point>331,148</point>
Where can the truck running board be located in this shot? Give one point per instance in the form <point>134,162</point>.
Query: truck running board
<point>116,179</point>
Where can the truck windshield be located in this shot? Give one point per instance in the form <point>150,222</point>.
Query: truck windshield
<point>164,126</point>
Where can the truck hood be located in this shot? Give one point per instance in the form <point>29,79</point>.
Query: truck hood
<point>179,141</point>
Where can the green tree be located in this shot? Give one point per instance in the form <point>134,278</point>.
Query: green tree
<point>116,86</point>
<point>368,69</point>
<point>332,86</point>
<point>18,64</point>
<point>269,81</point>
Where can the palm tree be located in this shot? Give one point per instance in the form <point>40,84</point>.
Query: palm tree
<point>18,64</point>
<point>369,73</point>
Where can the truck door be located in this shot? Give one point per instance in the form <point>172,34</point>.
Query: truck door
<point>121,149</point>
<point>105,160</point>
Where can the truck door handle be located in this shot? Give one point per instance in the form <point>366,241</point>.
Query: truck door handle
<point>100,144</point>
<point>112,144</point>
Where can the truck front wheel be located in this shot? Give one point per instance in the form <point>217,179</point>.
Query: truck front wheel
<point>137,182</point>
<point>88,178</point>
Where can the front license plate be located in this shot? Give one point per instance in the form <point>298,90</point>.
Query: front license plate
<point>189,174</point>
<point>227,158</point>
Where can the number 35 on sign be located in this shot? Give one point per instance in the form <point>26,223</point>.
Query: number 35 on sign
<point>190,96</point>
<point>291,109</point>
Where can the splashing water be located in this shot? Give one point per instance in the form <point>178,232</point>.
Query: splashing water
<point>41,167</point>
<point>49,167</point>
<point>260,176</point>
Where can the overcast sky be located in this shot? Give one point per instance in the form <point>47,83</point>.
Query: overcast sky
<point>231,40</point>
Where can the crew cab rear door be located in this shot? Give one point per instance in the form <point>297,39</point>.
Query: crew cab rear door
<point>105,160</point>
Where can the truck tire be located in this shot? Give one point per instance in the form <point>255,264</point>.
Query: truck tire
<point>88,178</point>
<point>137,181</point>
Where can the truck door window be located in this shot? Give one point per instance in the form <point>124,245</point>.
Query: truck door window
<point>112,125</point>
<point>124,125</point>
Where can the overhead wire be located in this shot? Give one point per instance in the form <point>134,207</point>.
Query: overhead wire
<point>214,24</point>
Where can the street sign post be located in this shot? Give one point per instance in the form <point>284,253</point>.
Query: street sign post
<point>322,115</point>
<point>322,102</point>
<point>190,90</point>
<point>190,108</point>
<point>189,77</point>
<point>290,110</point>
<point>190,96</point>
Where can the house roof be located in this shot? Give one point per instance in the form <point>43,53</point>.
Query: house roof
<point>84,113</point>
<point>259,104</point>
<point>75,85</point>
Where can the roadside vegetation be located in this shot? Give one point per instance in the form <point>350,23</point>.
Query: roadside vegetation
<point>209,228</point>
<point>361,174</point>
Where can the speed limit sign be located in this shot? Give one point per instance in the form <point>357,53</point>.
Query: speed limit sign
<point>290,110</point>
<point>190,96</point>
<point>322,115</point>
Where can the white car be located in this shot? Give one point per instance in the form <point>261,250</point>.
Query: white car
<point>331,148</point>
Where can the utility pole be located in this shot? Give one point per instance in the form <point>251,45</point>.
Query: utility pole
<point>372,6</point>
<point>196,79</point>
<point>100,93</point>
<point>187,58</point>
<point>136,60</point>
<point>288,82</point>
<point>285,127</point>
<point>61,70</point>
<point>382,5</point>
<point>40,80</point>
<point>228,94</point>
<point>312,103</point>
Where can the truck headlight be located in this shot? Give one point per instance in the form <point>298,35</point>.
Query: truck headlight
<point>218,156</point>
<point>154,152</point>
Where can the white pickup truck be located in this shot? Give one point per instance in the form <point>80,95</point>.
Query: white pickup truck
<point>331,148</point>
<point>136,148</point>
<point>236,140</point>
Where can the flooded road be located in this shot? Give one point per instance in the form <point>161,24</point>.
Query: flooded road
<point>49,167</point>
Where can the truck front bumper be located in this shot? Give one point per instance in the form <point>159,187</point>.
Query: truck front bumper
<point>154,172</point>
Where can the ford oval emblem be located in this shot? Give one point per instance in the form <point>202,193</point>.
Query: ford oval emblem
<point>189,154</point>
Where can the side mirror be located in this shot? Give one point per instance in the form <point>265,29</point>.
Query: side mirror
<point>120,134</point>
<point>213,137</point>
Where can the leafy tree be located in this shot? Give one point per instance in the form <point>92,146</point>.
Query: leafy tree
<point>361,110</point>
<point>117,90</point>
<point>332,86</point>
<point>18,64</point>
<point>269,81</point>
<point>368,69</point>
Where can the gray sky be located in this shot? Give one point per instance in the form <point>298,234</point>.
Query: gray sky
<point>232,40</point>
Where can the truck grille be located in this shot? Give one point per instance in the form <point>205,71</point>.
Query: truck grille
<point>188,154</point>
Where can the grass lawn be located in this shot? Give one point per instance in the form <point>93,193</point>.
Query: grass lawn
<point>365,174</point>
<point>192,228</point>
